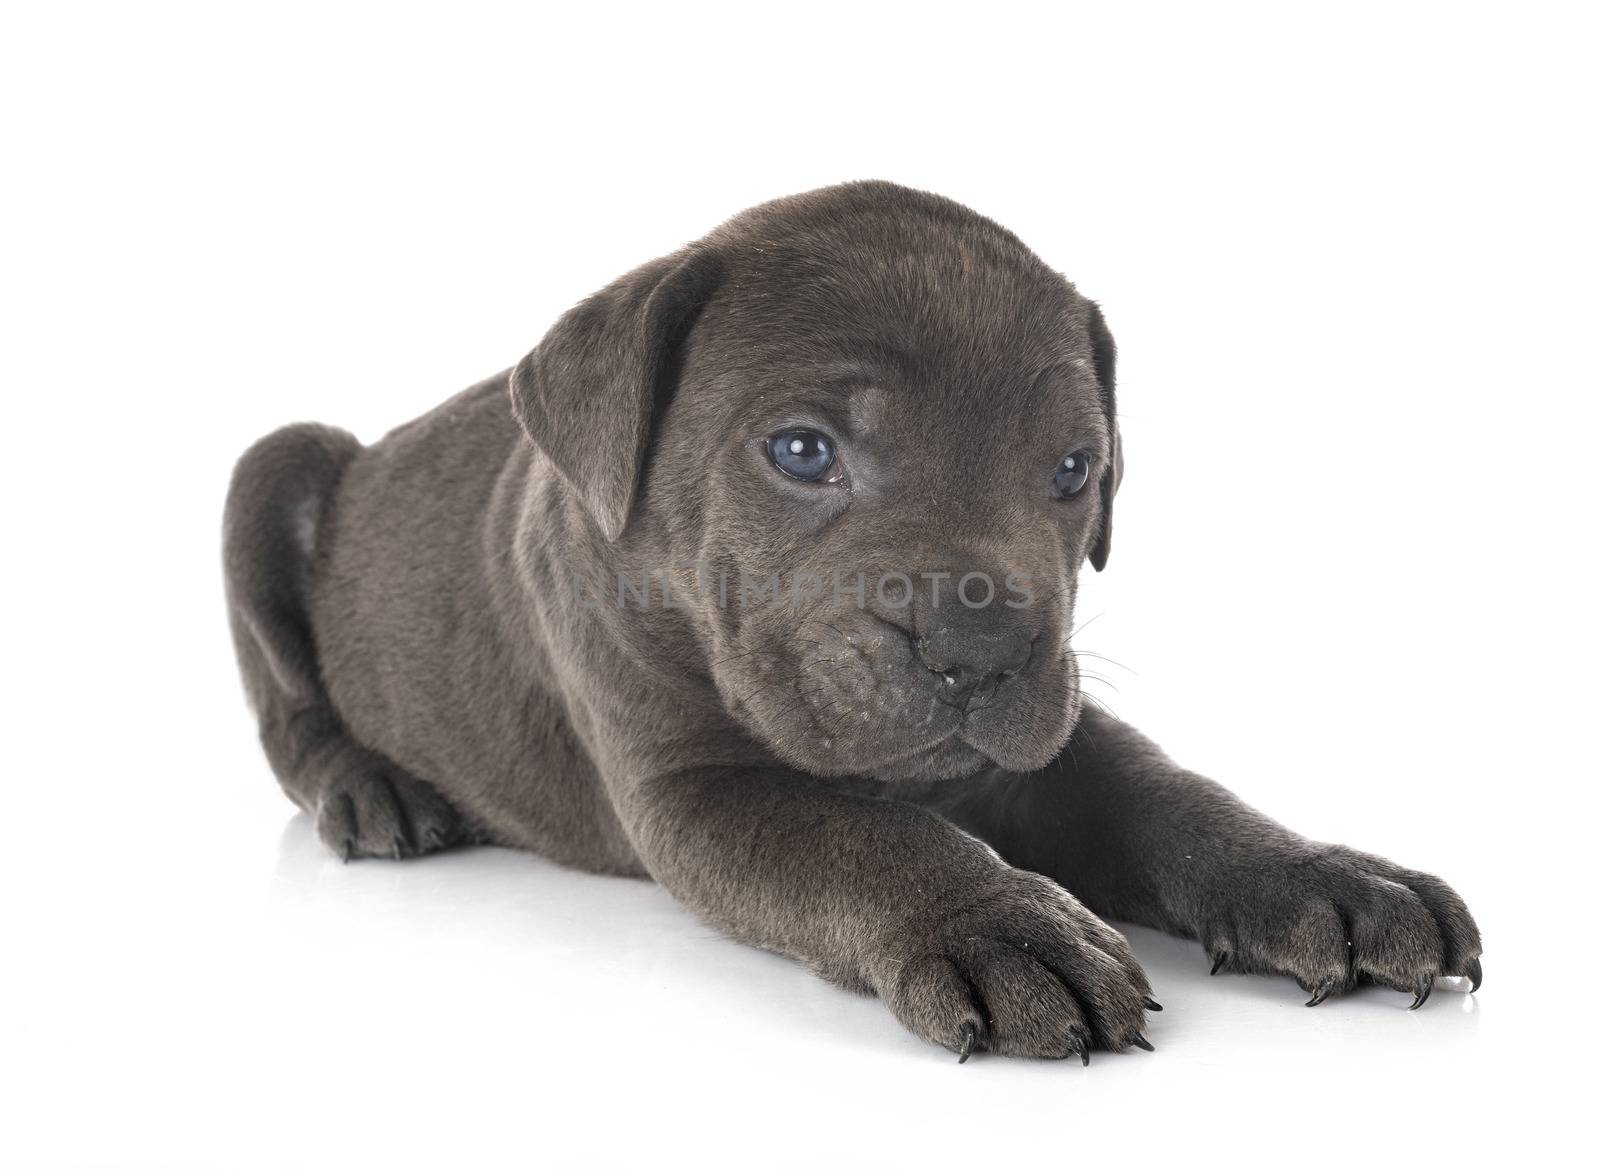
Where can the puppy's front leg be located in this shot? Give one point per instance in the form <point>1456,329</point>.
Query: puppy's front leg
<point>967,951</point>
<point>1140,839</point>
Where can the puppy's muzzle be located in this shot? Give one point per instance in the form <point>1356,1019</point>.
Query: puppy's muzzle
<point>973,653</point>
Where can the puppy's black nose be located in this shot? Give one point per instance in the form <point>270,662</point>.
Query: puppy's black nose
<point>971,664</point>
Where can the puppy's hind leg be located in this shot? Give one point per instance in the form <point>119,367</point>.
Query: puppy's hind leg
<point>365,805</point>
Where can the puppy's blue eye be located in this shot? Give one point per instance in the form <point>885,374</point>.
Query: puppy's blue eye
<point>806,455</point>
<point>1071,474</point>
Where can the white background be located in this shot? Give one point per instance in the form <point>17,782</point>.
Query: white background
<point>1349,256</point>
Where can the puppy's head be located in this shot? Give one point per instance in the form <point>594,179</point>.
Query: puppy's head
<point>871,438</point>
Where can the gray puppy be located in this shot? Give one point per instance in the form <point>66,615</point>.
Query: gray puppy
<point>756,578</point>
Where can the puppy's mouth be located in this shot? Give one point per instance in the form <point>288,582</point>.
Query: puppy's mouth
<point>857,702</point>
<point>944,758</point>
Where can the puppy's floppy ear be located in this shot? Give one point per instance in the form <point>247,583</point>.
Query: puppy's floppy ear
<point>591,392</point>
<point>1105,368</point>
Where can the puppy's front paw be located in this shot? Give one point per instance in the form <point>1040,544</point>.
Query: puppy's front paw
<point>1333,917</point>
<point>1021,969</point>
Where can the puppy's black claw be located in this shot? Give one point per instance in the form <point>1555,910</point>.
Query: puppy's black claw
<point>347,850</point>
<point>1151,1005</point>
<point>1320,994</point>
<point>968,1035</point>
<point>1424,990</point>
<point>1078,1046</point>
<point>1475,973</point>
<point>1139,1041</point>
<point>1222,957</point>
